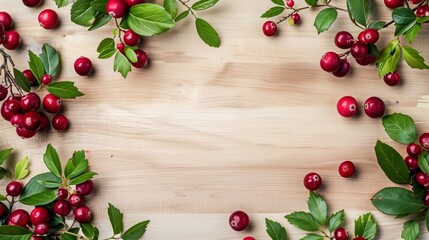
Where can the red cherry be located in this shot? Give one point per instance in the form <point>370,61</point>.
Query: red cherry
<point>414,150</point>
<point>415,1</point>
<point>16,120</point>
<point>2,210</point>
<point>116,8</point>
<point>131,3</point>
<point>249,238</point>
<point>422,179</point>
<point>131,38</point>
<point>340,234</point>
<point>370,36</point>
<point>60,122</point>
<point>121,47</point>
<point>392,79</point>
<point>51,103</point>
<point>62,193</point>
<point>359,50</point>
<point>75,200</point>
<point>20,218</point>
<point>330,62</point>
<point>14,188</point>
<point>62,208</point>
<point>14,105</point>
<point>31,3</point>
<point>83,66</point>
<point>82,214</point>
<point>343,40</point>
<point>412,163</point>
<point>359,238</point>
<point>426,199</point>
<point>41,228</point>
<point>347,106</point>
<point>30,77</point>
<point>422,11</point>
<point>48,19</point>
<point>142,59</point>
<point>239,220</point>
<point>30,102</point>
<point>343,70</point>
<point>6,20</point>
<point>12,40</point>
<point>31,121</point>
<point>5,111</point>
<point>46,79</point>
<point>369,59</point>
<point>424,140</point>
<point>312,181</point>
<point>24,133</point>
<point>290,3</point>
<point>269,28</point>
<point>44,122</point>
<point>295,17</point>
<point>39,215</point>
<point>392,4</point>
<point>3,92</point>
<point>346,169</point>
<point>374,107</point>
<point>85,188</point>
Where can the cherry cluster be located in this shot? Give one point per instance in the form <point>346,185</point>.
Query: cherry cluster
<point>374,107</point>
<point>269,28</point>
<point>118,9</point>
<point>38,219</point>
<point>414,150</point>
<point>9,38</point>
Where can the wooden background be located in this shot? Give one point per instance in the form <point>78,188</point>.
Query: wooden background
<point>203,132</point>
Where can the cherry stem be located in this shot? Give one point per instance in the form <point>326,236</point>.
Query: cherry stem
<point>184,3</point>
<point>296,10</point>
<point>9,79</point>
<point>120,30</point>
<point>413,9</point>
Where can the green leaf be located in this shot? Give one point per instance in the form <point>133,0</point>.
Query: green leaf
<point>36,66</point>
<point>2,198</point>
<point>49,184</point>
<point>413,58</point>
<point>82,13</point>
<point>64,89</point>
<point>312,236</point>
<point>136,231</point>
<point>413,32</point>
<point>275,230</point>
<point>131,55</point>
<point>325,19</point>
<point>14,233</point>
<point>203,4</point>
<point>100,21</point>
<point>392,163</point>
<point>418,190</point>
<point>181,16</point>
<point>303,221</point>
<point>389,58</point>
<point>207,33</point>
<point>37,194</point>
<point>365,226</point>
<point>336,220</point>
<point>99,5</point>
<point>121,64</point>
<point>278,2</point>
<point>4,154</point>
<point>377,25</point>
<point>149,19</point>
<point>115,217</point>
<point>82,178</point>
<point>51,60</point>
<point>88,230</point>
<point>171,7</point>
<point>318,208</point>
<point>106,43</point>
<point>397,201</point>
<point>311,2</point>
<point>21,80</point>
<point>424,162</point>
<point>403,28</point>
<point>4,173</point>
<point>76,166</point>
<point>411,230</point>
<point>423,19</point>
<point>68,236</point>
<point>62,3</point>
<point>21,168</point>
<point>400,128</point>
<point>52,161</point>
<point>403,16</point>
<point>427,219</point>
<point>360,10</point>
<point>272,12</point>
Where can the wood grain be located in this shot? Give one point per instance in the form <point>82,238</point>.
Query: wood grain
<point>202,132</point>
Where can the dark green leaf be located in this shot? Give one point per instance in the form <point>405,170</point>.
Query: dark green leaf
<point>88,230</point>
<point>325,19</point>
<point>64,89</point>
<point>107,43</point>
<point>181,16</point>
<point>207,33</point>
<point>107,53</point>
<point>149,19</point>
<point>413,58</point>
<point>21,168</point>
<point>411,230</point>
<point>360,10</point>
<point>303,221</point>
<point>413,32</point>
<point>115,217</point>
<point>21,80</point>
<point>99,5</point>
<point>131,55</point>
<point>4,173</point>
<point>373,50</point>
<point>100,21</point>
<point>424,162</point>
<point>203,4</point>
<point>336,220</point>
<point>82,13</point>
<point>275,230</point>
<point>82,178</point>
<point>392,163</point>
<point>272,12</point>
<point>4,154</point>
<point>52,161</point>
<point>312,236</point>
<point>14,233</point>
<point>318,208</point>
<point>377,25</point>
<point>68,236</point>
<point>396,201</point>
<point>36,66</point>
<point>136,231</point>
<point>76,166</point>
<point>365,226</point>
<point>62,3</point>
<point>37,194</point>
<point>2,198</point>
<point>51,60</point>
<point>49,184</point>
<point>403,16</point>
<point>278,2</point>
<point>418,190</point>
<point>311,2</point>
<point>389,58</point>
<point>400,128</point>
<point>121,64</point>
<point>171,7</point>
<point>402,29</point>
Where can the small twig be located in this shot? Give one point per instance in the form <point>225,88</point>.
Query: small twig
<point>296,10</point>
<point>184,3</point>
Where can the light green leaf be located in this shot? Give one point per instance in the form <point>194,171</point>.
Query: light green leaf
<point>335,220</point>
<point>51,60</point>
<point>76,166</point>
<point>131,55</point>
<point>99,5</point>
<point>135,232</point>
<point>106,48</point>
<point>392,163</point>
<point>400,128</point>
<point>181,16</point>
<point>2,198</point>
<point>325,19</point>
<point>272,12</point>
<point>275,230</point>
<point>88,230</point>
<point>377,25</point>
<point>389,58</point>
<point>49,184</point>
<point>171,7</point>
<point>303,221</point>
<point>70,234</point>
<point>52,161</point>
<point>207,33</point>
<point>62,3</point>
<point>397,201</point>
<point>121,64</point>
<point>4,154</point>
<point>21,168</point>
<point>318,208</point>
<point>149,19</point>
<point>21,80</point>
<point>203,4</point>
<point>82,13</point>
<point>413,58</point>
<point>411,230</point>
<point>365,226</point>
<point>312,236</point>
<point>115,217</point>
<point>64,89</point>
<point>413,32</point>
<point>82,178</point>
<point>36,66</point>
<point>424,162</point>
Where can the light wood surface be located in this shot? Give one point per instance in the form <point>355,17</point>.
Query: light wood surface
<point>203,132</point>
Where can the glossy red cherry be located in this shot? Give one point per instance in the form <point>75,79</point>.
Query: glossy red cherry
<point>30,102</point>
<point>39,215</point>
<point>62,193</point>
<point>414,150</point>
<point>48,19</point>
<point>269,28</point>
<point>392,4</point>
<point>46,79</point>
<point>370,36</point>
<point>85,188</point>
<point>32,3</point>
<point>422,11</point>
<point>340,234</point>
<point>14,188</point>
<point>41,228</point>
<point>83,66</point>
<point>347,106</point>
<point>6,20</point>
<point>238,220</point>
<point>415,1</point>
<point>24,133</point>
<point>249,238</point>
<point>131,3</point>
<point>392,79</point>
<point>3,92</point>
<point>12,40</point>
<point>142,59</point>
<point>31,121</point>
<point>359,50</point>
<point>20,218</point>
<point>290,3</point>
<point>426,199</point>
<point>131,38</point>
<point>343,70</point>
<point>424,140</point>
<point>75,200</point>
<point>30,77</point>
<point>312,181</point>
<point>44,122</point>
<point>295,18</point>
<point>62,208</point>
<point>121,47</point>
<point>16,120</point>
<point>374,107</point>
<point>51,103</point>
<point>369,59</point>
<point>60,122</point>
<point>330,62</point>
<point>343,40</point>
<point>412,163</point>
<point>14,105</point>
<point>422,179</point>
<point>82,214</point>
<point>346,169</point>
<point>116,8</point>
